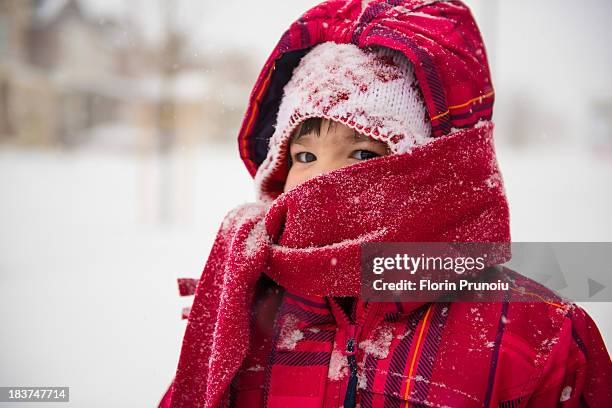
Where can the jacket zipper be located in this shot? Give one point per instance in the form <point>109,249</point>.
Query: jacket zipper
<point>350,397</point>
<point>351,388</point>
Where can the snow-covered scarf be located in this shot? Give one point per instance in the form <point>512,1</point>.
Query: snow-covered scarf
<point>308,240</point>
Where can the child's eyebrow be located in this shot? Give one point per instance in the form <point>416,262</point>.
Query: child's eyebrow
<point>358,137</point>
<point>355,137</point>
<point>301,139</point>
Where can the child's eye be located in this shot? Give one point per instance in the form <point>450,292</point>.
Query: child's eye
<point>305,157</point>
<point>363,154</point>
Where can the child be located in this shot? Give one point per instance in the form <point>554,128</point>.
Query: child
<point>371,123</point>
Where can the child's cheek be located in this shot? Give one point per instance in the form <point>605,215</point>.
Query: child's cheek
<point>298,173</point>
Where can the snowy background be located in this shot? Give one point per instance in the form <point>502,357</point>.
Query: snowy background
<point>93,235</point>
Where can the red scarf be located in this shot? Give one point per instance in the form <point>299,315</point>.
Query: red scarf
<point>308,240</point>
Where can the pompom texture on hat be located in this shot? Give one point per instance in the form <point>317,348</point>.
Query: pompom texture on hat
<point>372,90</point>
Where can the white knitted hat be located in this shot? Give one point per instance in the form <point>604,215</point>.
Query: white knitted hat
<point>372,90</point>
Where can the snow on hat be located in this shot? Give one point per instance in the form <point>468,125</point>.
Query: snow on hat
<point>372,90</point>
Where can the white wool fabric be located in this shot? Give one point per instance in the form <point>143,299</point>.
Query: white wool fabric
<point>372,90</point>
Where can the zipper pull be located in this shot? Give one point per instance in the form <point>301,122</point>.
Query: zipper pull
<point>352,332</point>
<point>350,347</point>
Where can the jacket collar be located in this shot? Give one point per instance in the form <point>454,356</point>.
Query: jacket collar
<point>367,314</point>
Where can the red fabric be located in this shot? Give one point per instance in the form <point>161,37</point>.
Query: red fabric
<point>440,354</point>
<point>448,190</point>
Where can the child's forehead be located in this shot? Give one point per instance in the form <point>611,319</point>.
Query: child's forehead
<point>335,129</point>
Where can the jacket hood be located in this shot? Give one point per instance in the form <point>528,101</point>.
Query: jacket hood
<point>440,38</point>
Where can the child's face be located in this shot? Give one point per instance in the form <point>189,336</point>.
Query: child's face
<point>336,146</point>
